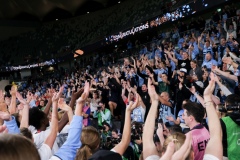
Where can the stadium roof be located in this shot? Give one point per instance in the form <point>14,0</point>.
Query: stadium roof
<point>49,10</point>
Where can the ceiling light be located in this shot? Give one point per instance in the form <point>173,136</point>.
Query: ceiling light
<point>87,12</point>
<point>56,19</point>
<point>119,1</point>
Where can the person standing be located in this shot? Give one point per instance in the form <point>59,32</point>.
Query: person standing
<point>193,116</point>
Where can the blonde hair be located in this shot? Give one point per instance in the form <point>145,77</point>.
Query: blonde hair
<point>177,138</point>
<point>90,139</point>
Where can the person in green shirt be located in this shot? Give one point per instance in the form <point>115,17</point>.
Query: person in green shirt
<point>103,114</point>
<point>231,128</point>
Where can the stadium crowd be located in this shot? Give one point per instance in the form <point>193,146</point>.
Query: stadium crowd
<point>178,98</point>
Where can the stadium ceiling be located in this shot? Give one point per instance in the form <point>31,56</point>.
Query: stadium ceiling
<point>49,10</point>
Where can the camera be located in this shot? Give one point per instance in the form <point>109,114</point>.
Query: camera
<point>234,108</point>
<point>110,143</point>
<point>99,107</point>
<point>136,132</point>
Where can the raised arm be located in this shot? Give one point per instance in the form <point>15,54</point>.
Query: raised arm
<point>72,144</point>
<point>126,136</point>
<point>171,57</point>
<point>64,119</point>
<point>3,105</point>
<point>214,146</point>
<point>199,41</point>
<point>54,121</point>
<point>160,133</point>
<point>63,106</point>
<point>225,26</point>
<point>9,122</point>
<point>149,147</point>
<point>224,89</point>
<point>13,103</point>
<point>199,98</point>
<point>49,103</point>
<point>226,74</point>
<point>25,111</point>
<point>163,101</point>
<point>123,93</point>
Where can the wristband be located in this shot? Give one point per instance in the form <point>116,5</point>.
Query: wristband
<point>208,102</point>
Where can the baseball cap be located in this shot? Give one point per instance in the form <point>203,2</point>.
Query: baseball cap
<point>183,70</point>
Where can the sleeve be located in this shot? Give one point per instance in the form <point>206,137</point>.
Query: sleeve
<point>234,56</point>
<point>226,92</point>
<point>69,148</point>
<point>106,116</point>
<point>229,81</point>
<point>45,152</point>
<point>40,137</point>
<point>140,74</point>
<point>12,126</point>
<point>88,111</point>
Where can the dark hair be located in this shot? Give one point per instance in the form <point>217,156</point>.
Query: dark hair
<point>36,117</point>
<point>223,38</point>
<point>96,92</point>
<point>115,130</point>
<point>26,133</point>
<point>175,128</point>
<point>194,61</point>
<point>232,99</point>
<point>165,73</point>
<point>101,102</point>
<point>195,109</point>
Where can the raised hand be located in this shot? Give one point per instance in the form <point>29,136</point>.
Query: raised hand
<point>55,97</point>
<point>132,105</point>
<point>85,94</point>
<point>193,89</point>
<point>20,98</point>
<point>29,96</point>
<point>13,90</point>
<point>151,90</point>
<point>209,90</point>
<point>160,129</point>
<point>62,105</point>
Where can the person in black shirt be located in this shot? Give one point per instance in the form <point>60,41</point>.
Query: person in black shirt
<point>184,63</point>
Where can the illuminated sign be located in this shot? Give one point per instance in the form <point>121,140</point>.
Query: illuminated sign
<point>46,63</point>
<point>129,32</point>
